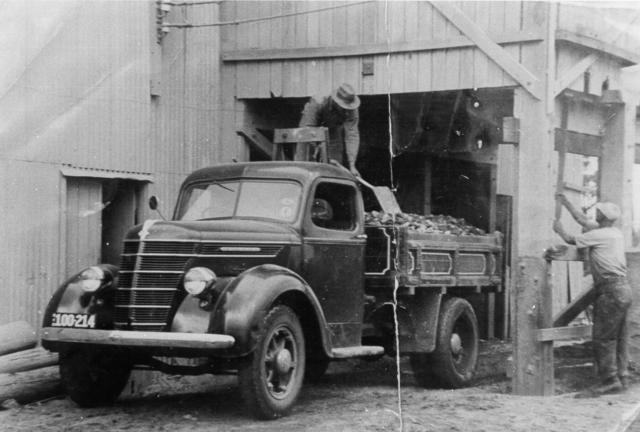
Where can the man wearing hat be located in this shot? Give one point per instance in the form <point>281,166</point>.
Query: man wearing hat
<point>605,246</point>
<point>339,113</point>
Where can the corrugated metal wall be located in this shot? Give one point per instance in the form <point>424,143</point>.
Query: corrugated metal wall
<point>75,90</point>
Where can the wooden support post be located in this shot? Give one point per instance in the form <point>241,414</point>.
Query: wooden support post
<point>533,360</point>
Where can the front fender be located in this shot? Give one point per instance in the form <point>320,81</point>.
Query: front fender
<point>248,298</point>
<point>70,298</point>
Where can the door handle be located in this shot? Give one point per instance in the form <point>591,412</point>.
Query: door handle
<point>360,237</point>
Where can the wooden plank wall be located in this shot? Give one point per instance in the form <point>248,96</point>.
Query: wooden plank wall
<point>363,25</point>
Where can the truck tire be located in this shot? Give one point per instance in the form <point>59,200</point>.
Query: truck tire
<point>457,344</point>
<point>93,378</point>
<point>271,377</point>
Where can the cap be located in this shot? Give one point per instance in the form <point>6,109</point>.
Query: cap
<point>609,210</point>
<point>346,97</point>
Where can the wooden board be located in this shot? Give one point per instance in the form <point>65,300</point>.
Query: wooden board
<point>560,285</point>
<point>564,333</point>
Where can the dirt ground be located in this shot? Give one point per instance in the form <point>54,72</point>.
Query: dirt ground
<point>355,396</point>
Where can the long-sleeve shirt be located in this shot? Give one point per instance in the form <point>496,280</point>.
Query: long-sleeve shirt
<point>342,124</point>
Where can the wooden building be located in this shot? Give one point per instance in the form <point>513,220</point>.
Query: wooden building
<point>475,109</point>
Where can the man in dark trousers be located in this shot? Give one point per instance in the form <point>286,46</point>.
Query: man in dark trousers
<point>339,113</point>
<point>605,246</point>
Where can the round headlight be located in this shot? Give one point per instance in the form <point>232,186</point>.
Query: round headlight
<point>91,279</point>
<point>198,279</point>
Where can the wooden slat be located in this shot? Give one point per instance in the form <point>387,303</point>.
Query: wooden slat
<point>563,333</point>
<point>494,51</point>
<point>244,55</point>
<point>578,142</point>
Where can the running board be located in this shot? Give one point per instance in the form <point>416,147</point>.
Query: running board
<point>357,351</point>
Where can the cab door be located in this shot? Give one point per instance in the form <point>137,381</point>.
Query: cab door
<point>333,251</point>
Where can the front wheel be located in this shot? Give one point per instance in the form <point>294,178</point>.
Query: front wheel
<point>93,377</point>
<point>271,377</point>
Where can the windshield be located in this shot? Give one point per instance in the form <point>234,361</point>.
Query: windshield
<point>278,200</point>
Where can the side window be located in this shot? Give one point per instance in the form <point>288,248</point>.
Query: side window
<point>334,207</point>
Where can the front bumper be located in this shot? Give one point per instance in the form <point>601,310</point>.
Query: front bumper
<point>138,339</point>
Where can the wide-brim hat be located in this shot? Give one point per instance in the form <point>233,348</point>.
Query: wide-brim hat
<point>346,97</point>
<point>609,210</point>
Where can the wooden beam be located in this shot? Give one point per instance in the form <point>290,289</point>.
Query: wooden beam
<point>256,140</point>
<point>573,309</point>
<point>578,142</point>
<point>564,333</point>
<point>494,51</point>
<point>302,134</point>
<point>573,73</point>
<point>608,48</point>
<point>563,252</point>
<point>244,55</point>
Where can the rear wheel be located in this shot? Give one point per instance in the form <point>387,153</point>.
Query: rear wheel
<point>93,377</point>
<point>453,363</point>
<point>271,378</point>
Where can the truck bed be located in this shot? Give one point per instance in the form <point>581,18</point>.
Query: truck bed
<point>432,260</point>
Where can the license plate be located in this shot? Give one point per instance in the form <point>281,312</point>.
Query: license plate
<point>73,320</point>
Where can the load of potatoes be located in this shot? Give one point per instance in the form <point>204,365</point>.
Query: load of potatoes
<point>435,224</point>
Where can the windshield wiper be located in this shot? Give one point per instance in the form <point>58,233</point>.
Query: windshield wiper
<point>223,186</point>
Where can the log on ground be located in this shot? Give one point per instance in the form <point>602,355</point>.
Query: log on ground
<point>16,336</point>
<point>27,360</point>
<point>30,386</point>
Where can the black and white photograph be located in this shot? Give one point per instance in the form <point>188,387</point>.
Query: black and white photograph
<point>293,215</point>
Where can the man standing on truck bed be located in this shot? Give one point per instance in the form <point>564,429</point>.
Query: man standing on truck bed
<point>339,113</point>
<point>605,245</point>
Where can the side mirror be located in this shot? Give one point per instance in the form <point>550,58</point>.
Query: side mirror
<point>153,202</point>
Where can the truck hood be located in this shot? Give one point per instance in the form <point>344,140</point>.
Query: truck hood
<point>237,230</point>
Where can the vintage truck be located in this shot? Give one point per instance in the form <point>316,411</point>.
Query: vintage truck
<point>267,270</point>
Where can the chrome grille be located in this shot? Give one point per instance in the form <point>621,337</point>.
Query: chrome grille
<point>150,271</point>
<point>148,282</point>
